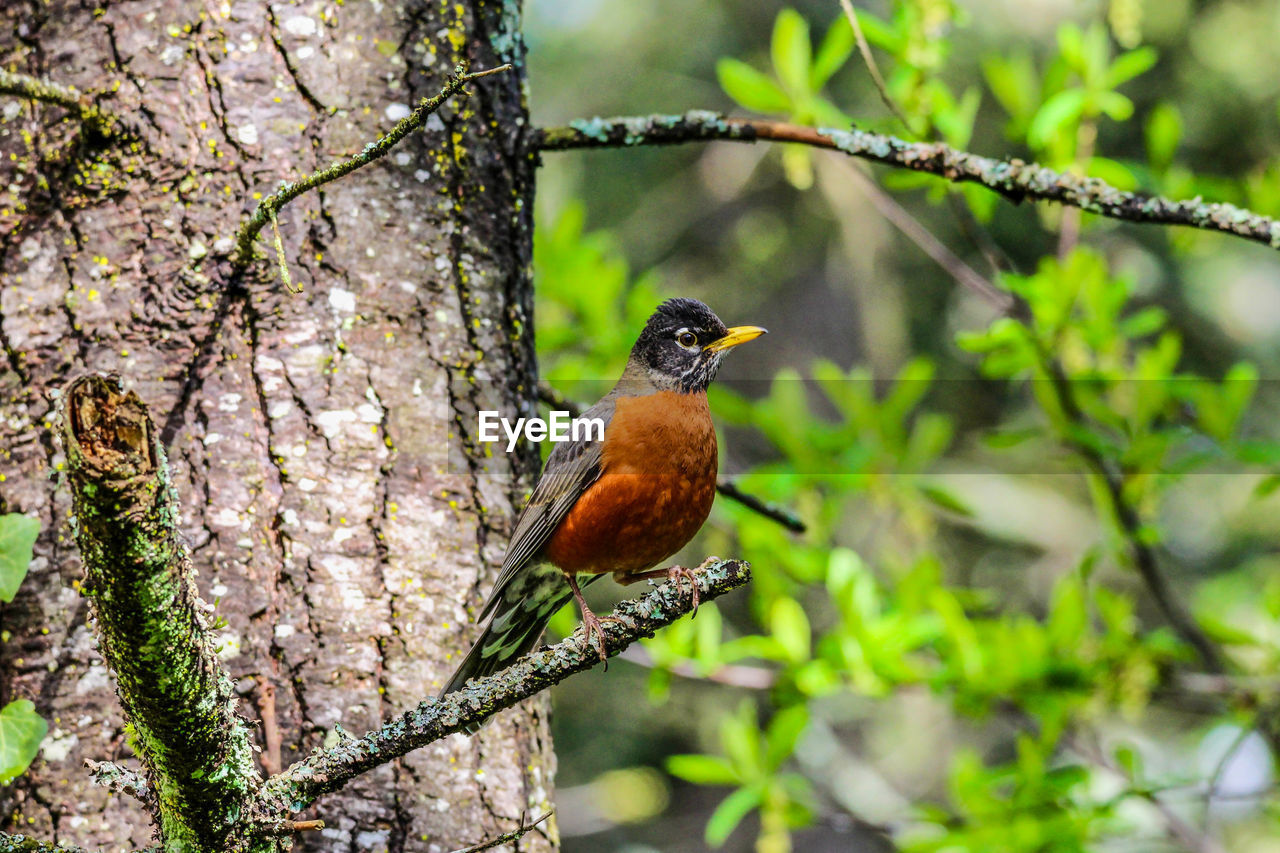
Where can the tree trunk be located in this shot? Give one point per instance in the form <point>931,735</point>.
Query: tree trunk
<point>319,441</point>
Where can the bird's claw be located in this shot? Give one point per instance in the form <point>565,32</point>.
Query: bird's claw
<point>592,626</point>
<point>677,573</point>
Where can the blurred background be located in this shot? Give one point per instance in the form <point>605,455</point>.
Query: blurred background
<point>1035,603</point>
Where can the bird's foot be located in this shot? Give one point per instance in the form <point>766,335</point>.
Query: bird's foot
<point>674,574</point>
<point>592,625</point>
<point>677,573</point>
<point>590,621</point>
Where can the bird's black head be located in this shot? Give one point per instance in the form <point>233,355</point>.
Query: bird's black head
<point>682,344</point>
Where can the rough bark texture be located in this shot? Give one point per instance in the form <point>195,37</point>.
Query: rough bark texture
<point>316,440</point>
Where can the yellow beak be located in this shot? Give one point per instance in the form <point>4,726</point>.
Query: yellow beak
<point>736,335</point>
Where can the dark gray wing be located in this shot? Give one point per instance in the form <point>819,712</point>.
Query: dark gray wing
<point>570,469</point>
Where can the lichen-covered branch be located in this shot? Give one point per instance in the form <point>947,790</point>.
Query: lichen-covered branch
<point>725,486</point>
<point>151,626</point>
<point>27,844</point>
<point>270,206</point>
<point>90,114</point>
<point>328,770</point>
<point>1015,179</point>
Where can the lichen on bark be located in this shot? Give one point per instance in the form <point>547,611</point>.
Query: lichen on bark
<point>151,623</point>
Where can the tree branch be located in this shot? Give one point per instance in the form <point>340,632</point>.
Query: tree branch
<point>1014,179</point>
<point>27,844</point>
<point>327,770</point>
<point>270,206</point>
<point>725,486</point>
<point>150,621</point>
<point>98,120</point>
<point>872,68</point>
<point>773,512</point>
<point>1130,522</point>
<point>514,835</point>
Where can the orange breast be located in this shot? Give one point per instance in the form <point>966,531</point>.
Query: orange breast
<point>656,487</point>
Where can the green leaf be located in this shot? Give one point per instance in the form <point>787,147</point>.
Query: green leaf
<point>944,498</point>
<point>740,738</point>
<point>1145,322</point>
<point>1164,130</point>
<point>791,51</point>
<point>1115,105</point>
<point>725,819</point>
<point>790,627</point>
<point>1054,115</point>
<point>1130,65</point>
<point>833,53</point>
<point>783,734</point>
<point>1113,172</point>
<point>1071,46</point>
<point>17,537</point>
<point>1013,81</point>
<point>1267,486</point>
<point>1130,761</point>
<point>702,769</point>
<point>21,731</point>
<point>750,88</point>
<point>881,33</point>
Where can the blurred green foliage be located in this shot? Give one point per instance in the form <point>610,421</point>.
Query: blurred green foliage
<point>968,628</point>
<point>21,728</point>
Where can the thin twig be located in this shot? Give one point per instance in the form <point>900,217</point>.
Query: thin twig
<point>271,761</point>
<point>284,826</point>
<point>872,68</point>
<point>937,251</point>
<point>1142,554</point>
<point>27,844</point>
<point>729,674</point>
<point>514,835</point>
<point>1253,689</point>
<point>1014,179</point>
<point>90,114</point>
<point>1187,834</point>
<point>771,511</point>
<point>1215,778</point>
<point>973,229</point>
<point>725,486</point>
<point>271,205</point>
<point>327,770</point>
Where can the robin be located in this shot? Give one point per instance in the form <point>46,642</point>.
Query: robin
<point>620,504</point>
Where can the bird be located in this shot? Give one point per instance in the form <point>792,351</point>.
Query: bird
<point>621,503</point>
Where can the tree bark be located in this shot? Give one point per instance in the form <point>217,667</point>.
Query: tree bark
<point>319,442</point>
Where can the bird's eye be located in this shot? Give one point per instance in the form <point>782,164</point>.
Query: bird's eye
<point>687,339</point>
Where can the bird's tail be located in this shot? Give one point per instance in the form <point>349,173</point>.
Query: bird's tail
<point>520,610</point>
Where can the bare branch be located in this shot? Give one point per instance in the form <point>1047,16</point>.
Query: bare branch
<point>1130,522</point>
<point>1014,179</point>
<point>514,835</point>
<point>872,68</point>
<point>937,251</point>
<point>725,486</point>
<point>90,114</point>
<point>327,770</point>
<point>771,511</point>
<point>271,205</point>
<point>284,826</point>
<point>27,844</point>
<point>729,674</point>
<point>150,621</point>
